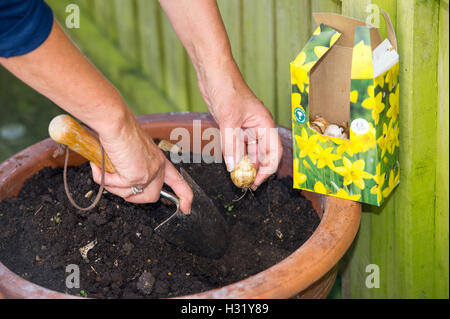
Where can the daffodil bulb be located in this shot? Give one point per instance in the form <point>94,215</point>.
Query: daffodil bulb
<point>319,124</point>
<point>244,173</point>
<point>334,130</point>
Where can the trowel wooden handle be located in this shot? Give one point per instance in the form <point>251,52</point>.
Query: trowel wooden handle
<point>65,130</point>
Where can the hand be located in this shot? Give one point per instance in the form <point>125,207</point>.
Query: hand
<point>243,119</point>
<point>140,163</point>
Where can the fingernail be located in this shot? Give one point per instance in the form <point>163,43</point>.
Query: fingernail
<point>229,162</point>
<point>189,211</point>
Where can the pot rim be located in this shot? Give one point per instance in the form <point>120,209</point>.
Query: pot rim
<point>301,269</point>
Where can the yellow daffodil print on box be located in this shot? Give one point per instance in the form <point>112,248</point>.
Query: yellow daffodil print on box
<point>364,167</point>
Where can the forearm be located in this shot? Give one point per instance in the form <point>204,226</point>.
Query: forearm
<point>59,71</point>
<point>199,27</point>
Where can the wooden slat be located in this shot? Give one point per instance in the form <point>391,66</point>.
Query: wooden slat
<point>259,50</point>
<point>175,66</point>
<point>196,102</point>
<point>334,6</point>
<point>104,13</point>
<point>415,202</point>
<point>355,9</point>
<point>85,5</point>
<point>442,168</point>
<point>152,51</point>
<point>326,6</point>
<point>127,33</point>
<point>293,19</point>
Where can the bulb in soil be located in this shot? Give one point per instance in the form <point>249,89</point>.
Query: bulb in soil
<point>244,173</point>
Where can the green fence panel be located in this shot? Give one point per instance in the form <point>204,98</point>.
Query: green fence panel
<point>175,66</point>
<point>152,51</point>
<point>127,31</point>
<point>105,15</point>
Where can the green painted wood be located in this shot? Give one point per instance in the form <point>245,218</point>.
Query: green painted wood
<point>196,102</point>
<point>141,95</point>
<point>175,66</point>
<point>152,51</point>
<point>104,14</point>
<point>293,28</point>
<point>259,50</point>
<point>86,6</point>
<point>414,237</point>
<point>334,6</point>
<point>127,31</point>
<point>442,166</point>
<point>355,9</point>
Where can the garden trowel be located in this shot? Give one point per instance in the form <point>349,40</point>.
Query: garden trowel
<point>203,232</point>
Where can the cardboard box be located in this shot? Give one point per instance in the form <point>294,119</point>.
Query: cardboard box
<point>348,76</point>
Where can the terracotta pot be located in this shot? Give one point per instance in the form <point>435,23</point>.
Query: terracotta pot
<point>309,272</point>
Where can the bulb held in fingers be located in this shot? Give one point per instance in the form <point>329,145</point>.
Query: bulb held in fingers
<point>244,173</point>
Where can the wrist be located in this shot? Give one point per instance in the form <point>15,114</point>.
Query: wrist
<point>220,81</point>
<point>118,123</point>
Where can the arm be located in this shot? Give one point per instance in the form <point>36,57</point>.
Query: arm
<point>58,70</point>
<point>199,27</point>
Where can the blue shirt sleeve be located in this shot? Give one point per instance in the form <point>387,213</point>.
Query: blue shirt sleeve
<point>24,26</point>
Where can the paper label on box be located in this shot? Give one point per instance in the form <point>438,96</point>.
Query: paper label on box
<point>384,57</point>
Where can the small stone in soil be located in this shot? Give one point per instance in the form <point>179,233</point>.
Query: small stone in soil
<point>128,247</point>
<point>145,283</point>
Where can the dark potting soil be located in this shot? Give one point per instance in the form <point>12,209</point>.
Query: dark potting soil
<point>41,235</point>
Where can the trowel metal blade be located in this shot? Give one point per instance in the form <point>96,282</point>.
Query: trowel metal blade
<point>204,232</point>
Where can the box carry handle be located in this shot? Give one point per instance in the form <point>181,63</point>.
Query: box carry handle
<point>390,30</point>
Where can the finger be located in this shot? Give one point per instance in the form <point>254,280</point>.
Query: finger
<point>150,193</point>
<point>181,188</point>
<point>252,146</point>
<point>233,146</point>
<point>120,191</point>
<point>269,155</point>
